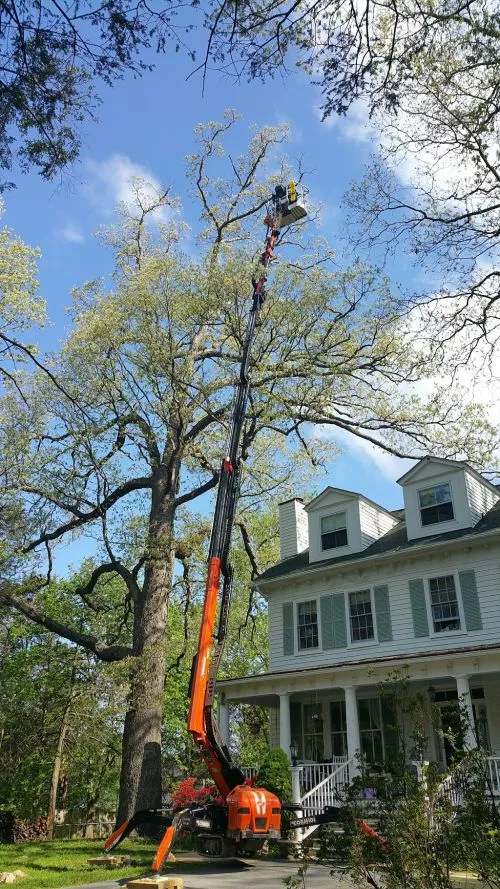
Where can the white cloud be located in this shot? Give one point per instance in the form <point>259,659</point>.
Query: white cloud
<point>369,455</point>
<point>355,126</point>
<point>427,166</point>
<point>72,234</point>
<point>119,180</point>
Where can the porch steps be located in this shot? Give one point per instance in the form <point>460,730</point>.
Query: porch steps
<point>329,792</point>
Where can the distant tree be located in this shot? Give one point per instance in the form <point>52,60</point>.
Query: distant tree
<point>59,725</point>
<point>21,305</point>
<point>137,434</point>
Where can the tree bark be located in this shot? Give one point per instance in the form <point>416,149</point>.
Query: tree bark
<point>140,777</point>
<point>56,768</point>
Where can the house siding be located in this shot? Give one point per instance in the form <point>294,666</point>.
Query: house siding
<point>485,562</point>
<point>481,497</point>
<point>374,523</point>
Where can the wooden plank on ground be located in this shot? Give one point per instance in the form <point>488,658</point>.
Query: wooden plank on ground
<point>149,882</point>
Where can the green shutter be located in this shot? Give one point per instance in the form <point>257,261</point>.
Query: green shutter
<point>339,621</point>
<point>383,613</point>
<point>470,600</point>
<point>418,608</point>
<point>288,635</point>
<point>326,611</point>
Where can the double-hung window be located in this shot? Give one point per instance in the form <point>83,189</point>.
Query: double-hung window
<point>436,504</point>
<point>333,531</point>
<point>361,616</point>
<point>307,625</point>
<point>444,604</point>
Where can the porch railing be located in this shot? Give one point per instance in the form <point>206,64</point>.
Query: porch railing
<point>451,788</point>
<point>314,774</point>
<point>329,789</point>
<point>494,774</point>
<point>249,771</point>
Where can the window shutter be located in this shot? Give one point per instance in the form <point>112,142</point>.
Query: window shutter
<point>470,600</point>
<point>418,608</point>
<point>326,611</point>
<point>339,621</point>
<point>288,635</point>
<point>383,613</point>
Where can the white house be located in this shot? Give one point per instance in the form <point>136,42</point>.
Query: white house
<point>361,592</point>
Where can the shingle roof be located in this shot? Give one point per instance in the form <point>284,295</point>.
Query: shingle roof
<point>394,541</point>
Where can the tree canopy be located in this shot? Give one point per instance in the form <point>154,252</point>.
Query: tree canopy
<point>426,75</point>
<point>53,58</point>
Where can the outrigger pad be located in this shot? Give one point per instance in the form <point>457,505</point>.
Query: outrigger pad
<point>164,817</point>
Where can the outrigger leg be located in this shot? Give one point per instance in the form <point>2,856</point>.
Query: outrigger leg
<point>164,817</point>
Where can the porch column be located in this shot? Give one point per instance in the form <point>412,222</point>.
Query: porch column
<point>285,733</point>
<point>352,726</point>
<point>223,719</point>
<point>465,702</point>
<point>296,798</point>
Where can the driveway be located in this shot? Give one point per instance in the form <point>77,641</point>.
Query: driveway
<point>199,874</point>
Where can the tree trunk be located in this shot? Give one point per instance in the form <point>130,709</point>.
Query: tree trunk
<point>140,777</point>
<point>56,768</point>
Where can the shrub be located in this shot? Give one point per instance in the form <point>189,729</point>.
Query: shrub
<point>187,794</point>
<point>274,775</point>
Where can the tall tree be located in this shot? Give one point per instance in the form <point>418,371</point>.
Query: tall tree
<point>150,362</point>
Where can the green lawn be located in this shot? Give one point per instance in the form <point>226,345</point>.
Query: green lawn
<point>49,865</point>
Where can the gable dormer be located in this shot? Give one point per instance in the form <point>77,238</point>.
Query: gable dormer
<point>444,495</point>
<point>344,522</point>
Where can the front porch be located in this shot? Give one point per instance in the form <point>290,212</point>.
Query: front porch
<point>330,724</point>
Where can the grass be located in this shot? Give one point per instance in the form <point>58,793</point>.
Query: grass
<point>51,865</point>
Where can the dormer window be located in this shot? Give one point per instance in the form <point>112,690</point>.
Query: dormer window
<point>333,531</point>
<point>436,504</point>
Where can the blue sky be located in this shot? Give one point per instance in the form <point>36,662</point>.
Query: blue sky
<point>146,126</point>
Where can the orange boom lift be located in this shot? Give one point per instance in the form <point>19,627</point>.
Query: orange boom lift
<point>247,815</point>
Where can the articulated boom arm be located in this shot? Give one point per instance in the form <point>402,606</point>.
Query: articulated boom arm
<point>201,723</point>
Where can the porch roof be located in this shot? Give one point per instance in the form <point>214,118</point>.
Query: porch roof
<point>394,542</point>
<point>391,661</point>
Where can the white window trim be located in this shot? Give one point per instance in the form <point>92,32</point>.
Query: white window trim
<point>319,646</point>
<point>437,524</point>
<point>334,549</point>
<point>364,643</point>
<point>444,633</point>
<point>361,643</point>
